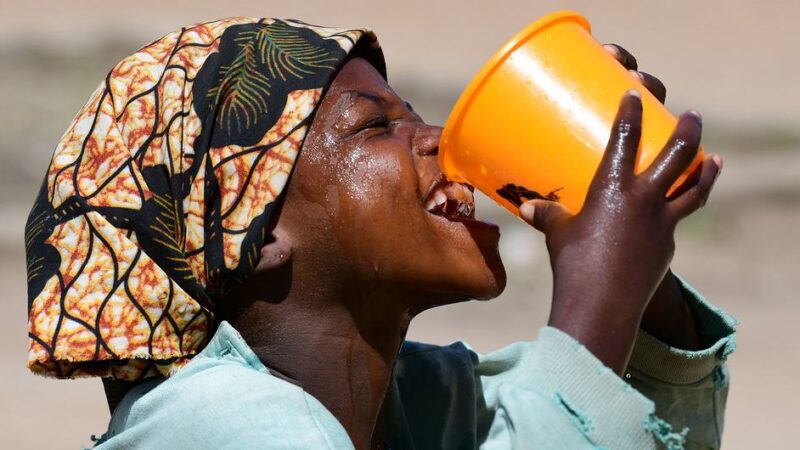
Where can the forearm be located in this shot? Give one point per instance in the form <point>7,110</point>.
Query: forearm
<point>605,321</point>
<point>609,330</point>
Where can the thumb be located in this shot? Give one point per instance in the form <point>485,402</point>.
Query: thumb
<point>542,214</point>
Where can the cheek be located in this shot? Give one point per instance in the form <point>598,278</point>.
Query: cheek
<point>379,210</point>
<point>374,179</point>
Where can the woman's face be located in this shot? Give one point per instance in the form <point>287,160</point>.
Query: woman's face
<point>368,193</point>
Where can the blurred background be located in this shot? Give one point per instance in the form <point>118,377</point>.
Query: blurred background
<point>735,61</point>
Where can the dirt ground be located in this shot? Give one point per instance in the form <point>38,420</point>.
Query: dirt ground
<point>742,251</point>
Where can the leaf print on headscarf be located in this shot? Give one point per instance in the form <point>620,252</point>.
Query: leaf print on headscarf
<point>287,54</point>
<point>258,65</point>
<point>242,94</point>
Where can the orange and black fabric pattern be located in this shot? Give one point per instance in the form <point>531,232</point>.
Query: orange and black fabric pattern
<point>159,195</point>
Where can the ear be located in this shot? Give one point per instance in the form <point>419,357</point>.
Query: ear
<point>274,255</point>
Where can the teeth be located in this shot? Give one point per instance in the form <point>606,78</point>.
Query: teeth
<point>451,199</point>
<point>439,197</point>
<point>470,198</point>
<point>456,191</point>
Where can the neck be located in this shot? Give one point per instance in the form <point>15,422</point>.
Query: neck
<point>341,352</point>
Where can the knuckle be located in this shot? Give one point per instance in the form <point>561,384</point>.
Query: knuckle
<point>653,79</point>
<point>624,128</point>
<point>703,198</point>
<point>681,144</point>
<point>684,148</point>
<point>696,200</point>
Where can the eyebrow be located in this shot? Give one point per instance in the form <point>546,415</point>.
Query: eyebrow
<point>354,94</point>
<point>377,98</point>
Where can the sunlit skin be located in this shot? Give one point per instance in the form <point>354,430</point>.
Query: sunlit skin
<point>361,255</point>
<point>357,255</point>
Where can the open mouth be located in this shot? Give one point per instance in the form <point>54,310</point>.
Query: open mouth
<point>451,200</point>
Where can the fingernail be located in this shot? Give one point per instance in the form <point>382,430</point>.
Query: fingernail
<point>611,48</point>
<point>634,93</point>
<point>696,114</point>
<point>526,211</point>
<point>638,75</point>
<point>718,161</point>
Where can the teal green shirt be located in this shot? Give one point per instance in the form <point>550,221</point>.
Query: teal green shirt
<point>548,394</point>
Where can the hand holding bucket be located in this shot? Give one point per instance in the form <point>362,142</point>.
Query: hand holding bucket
<point>535,121</point>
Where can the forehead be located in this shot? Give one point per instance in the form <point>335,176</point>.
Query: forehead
<point>358,75</point>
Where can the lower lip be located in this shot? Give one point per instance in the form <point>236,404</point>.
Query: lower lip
<point>469,223</point>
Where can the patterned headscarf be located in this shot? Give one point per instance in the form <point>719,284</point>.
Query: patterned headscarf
<point>159,196</point>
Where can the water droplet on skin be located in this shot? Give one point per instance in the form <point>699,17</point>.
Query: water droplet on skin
<point>332,199</point>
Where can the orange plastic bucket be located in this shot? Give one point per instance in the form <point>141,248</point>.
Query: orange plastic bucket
<point>535,120</point>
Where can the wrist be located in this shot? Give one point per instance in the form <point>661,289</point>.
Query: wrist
<point>605,323</point>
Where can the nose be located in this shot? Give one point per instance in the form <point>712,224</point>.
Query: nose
<point>425,145</point>
<point>426,140</point>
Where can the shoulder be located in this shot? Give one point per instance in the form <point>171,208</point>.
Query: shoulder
<point>228,386</point>
<point>218,404</point>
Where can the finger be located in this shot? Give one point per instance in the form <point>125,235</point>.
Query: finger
<point>690,180</point>
<point>623,56</point>
<point>543,214</point>
<point>623,144</point>
<point>678,153</point>
<point>696,196</point>
<point>653,84</point>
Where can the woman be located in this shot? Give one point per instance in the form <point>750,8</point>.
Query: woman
<point>167,250</point>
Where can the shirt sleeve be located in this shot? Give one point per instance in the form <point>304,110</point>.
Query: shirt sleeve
<point>689,388</point>
<point>553,393</point>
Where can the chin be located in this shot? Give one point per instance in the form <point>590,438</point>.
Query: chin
<point>488,275</point>
<point>493,285</point>
<point>474,268</point>
<point>483,280</point>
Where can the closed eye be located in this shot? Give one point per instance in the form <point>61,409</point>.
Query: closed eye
<point>376,122</point>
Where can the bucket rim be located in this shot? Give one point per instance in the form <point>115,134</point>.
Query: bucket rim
<point>497,59</point>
